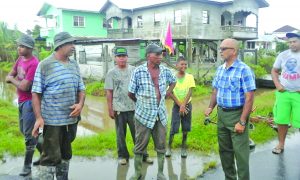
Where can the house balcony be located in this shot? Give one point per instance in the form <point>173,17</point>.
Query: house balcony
<point>47,32</point>
<point>120,33</point>
<point>239,32</point>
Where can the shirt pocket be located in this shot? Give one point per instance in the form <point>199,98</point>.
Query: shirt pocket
<point>234,84</point>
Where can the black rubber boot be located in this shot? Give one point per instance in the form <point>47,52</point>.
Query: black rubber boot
<point>62,170</point>
<point>39,148</point>
<point>27,161</point>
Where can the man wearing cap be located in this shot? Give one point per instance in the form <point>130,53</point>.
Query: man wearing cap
<point>21,76</point>
<point>286,77</point>
<point>149,85</point>
<point>58,98</point>
<point>120,106</point>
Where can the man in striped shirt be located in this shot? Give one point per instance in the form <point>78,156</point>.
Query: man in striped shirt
<point>233,93</point>
<point>58,98</point>
<point>149,85</point>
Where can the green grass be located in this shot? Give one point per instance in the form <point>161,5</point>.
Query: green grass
<point>12,141</point>
<point>95,88</point>
<point>202,139</point>
<point>6,66</point>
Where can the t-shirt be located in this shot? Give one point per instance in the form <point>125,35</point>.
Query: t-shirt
<point>59,84</point>
<point>289,63</point>
<point>182,87</point>
<point>25,69</point>
<point>118,80</point>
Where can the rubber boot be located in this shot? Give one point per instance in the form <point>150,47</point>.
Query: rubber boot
<point>39,148</point>
<point>160,161</point>
<point>169,151</point>
<point>62,170</point>
<point>138,161</point>
<point>46,172</point>
<point>27,161</point>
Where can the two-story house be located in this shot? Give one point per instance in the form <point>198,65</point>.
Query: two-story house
<point>198,26</point>
<point>79,23</point>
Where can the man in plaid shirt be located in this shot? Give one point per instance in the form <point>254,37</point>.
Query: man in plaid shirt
<point>149,85</point>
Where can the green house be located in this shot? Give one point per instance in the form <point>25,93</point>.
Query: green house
<point>79,23</point>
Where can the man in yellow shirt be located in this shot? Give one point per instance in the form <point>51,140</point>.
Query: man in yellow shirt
<point>182,108</point>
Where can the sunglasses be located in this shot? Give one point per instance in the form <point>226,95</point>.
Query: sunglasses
<point>225,48</point>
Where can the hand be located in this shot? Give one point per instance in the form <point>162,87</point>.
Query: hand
<point>111,113</point>
<point>208,111</point>
<point>280,88</point>
<point>76,110</point>
<point>39,123</point>
<point>238,128</point>
<point>8,79</point>
<point>183,110</point>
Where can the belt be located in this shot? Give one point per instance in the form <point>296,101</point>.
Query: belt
<point>228,109</point>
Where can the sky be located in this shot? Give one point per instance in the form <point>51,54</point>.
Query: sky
<point>23,14</point>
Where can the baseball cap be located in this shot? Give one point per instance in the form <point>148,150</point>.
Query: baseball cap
<point>26,40</point>
<point>120,51</point>
<point>291,35</point>
<point>62,38</point>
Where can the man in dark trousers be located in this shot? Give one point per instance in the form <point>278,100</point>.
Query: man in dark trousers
<point>233,93</point>
<point>21,76</point>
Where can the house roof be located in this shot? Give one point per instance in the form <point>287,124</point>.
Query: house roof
<point>149,4</point>
<point>92,8</point>
<point>266,38</point>
<point>286,28</point>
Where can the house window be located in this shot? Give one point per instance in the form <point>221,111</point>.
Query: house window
<point>205,17</point>
<point>177,16</point>
<point>140,21</point>
<point>157,19</point>
<point>78,21</point>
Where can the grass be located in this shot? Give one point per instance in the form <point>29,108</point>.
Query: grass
<point>11,139</point>
<point>202,139</point>
<point>6,66</point>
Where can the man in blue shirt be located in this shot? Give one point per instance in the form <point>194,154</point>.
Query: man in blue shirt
<point>233,93</point>
<point>58,98</point>
<point>149,85</point>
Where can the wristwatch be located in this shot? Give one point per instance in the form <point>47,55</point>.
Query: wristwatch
<point>243,123</point>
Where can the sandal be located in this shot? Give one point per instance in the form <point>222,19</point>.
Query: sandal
<point>277,150</point>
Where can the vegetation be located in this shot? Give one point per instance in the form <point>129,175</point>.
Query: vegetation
<point>6,66</point>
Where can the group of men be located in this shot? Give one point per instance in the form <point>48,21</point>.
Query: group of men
<point>54,91</point>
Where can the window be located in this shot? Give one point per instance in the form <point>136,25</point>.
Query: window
<point>177,16</point>
<point>140,21</point>
<point>78,21</point>
<point>156,19</point>
<point>205,17</point>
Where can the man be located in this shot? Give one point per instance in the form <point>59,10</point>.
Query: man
<point>21,76</point>
<point>233,93</point>
<point>182,108</point>
<point>148,87</point>
<point>286,77</point>
<point>58,98</point>
<point>120,106</point>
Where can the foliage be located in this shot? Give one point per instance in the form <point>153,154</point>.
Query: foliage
<point>95,88</point>
<point>44,53</point>
<point>201,90</point>
<point>6,66</point>
<point>7,43</point>
<point>281,46</point>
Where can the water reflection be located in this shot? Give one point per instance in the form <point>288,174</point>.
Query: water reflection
<point>7,91</point>
<point>122,171</point>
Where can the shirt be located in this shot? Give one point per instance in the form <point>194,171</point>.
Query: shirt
<point>232,83</point>
<point>141,84</point>
<point>289,64</point>
<point>118,80</point>
<point>59,84</point>
<point>183,86</point>
<point>25,70</point>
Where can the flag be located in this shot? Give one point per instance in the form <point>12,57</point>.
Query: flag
<point>168,40</point>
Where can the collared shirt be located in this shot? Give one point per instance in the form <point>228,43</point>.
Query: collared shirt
<point>232,83</point>
<point>147,108</point>
<point>59,84</point>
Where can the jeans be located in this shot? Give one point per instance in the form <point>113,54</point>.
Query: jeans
<point>26,122</point>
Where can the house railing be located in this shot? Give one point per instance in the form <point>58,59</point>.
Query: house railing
<point>123,30</point>
<point>237,28</point>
